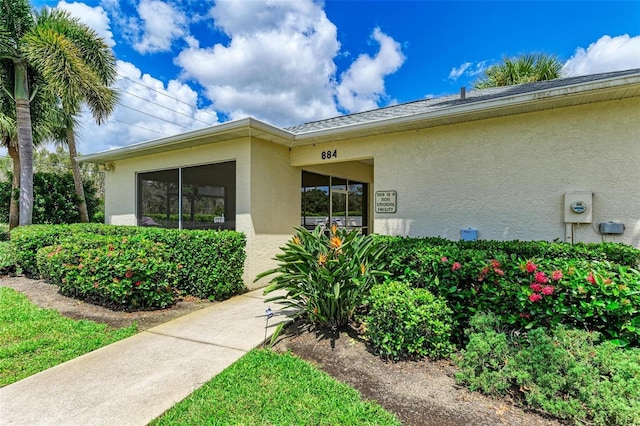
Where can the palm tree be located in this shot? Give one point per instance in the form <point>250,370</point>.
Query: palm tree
<point>525,68</point>
<point>74,64</point>
<point>43,112</point>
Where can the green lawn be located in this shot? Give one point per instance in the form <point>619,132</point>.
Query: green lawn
<point>33,339</point>
<point>267,388</point>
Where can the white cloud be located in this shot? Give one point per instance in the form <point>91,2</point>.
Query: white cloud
<point>279,63</point>
<point>606,54</point>
<point>362,85</point>
<point>155,28</point>
<point>94,17</point>
<point>459,71</point>
<point>278,66</point>
<point>148,109</point>
<point>162,23</point>
<point>467,69</point>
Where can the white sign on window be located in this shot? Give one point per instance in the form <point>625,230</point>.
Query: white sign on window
<point>386,201</point>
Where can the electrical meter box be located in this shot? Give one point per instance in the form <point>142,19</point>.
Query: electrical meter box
<point>611,228</point>
<point>578,207</point>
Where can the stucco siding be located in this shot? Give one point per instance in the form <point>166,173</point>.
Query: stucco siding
<point>120,182</point>
<point>275,205</point>
<point>507,177</point>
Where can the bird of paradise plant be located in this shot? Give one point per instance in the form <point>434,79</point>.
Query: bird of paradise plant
<point>325,276</point>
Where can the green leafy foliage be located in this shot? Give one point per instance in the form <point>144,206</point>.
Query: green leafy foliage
<point>5,235</point>
<point>209,263</point>
<point>326,276</point>
<point>564,372</point>
<point>54,198</point>
<point>128,273</point>
<point>7,258</point>
<point>403,322</point>
<point>27,240</point>
<point>527,284</point>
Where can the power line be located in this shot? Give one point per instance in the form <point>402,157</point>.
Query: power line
<point>155,116</point>
<point>165,107</point>
<point>168,96</point>
<point>139,127</point>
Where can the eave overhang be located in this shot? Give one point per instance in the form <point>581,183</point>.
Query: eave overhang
<point>453,112</point>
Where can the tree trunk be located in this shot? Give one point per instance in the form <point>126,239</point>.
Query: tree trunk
<point>77,179</point>
<point>14,212</point>
<point>25,142</point>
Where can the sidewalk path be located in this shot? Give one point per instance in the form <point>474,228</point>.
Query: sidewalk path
<point>135,380</point>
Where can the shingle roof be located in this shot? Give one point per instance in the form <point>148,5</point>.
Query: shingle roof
<point>428,105</point>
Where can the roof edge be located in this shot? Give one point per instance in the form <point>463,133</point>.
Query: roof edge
<point>474,106</point>
<point>174,141</point>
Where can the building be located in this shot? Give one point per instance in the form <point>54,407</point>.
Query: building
<point>553,160</point>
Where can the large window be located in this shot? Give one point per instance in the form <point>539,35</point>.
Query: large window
<point>199,197</point>
<point>328,200</point>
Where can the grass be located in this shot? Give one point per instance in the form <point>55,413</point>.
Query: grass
<point>268,388</point>
<point>33,339</point>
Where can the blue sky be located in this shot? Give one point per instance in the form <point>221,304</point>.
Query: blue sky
<point>185,64</point>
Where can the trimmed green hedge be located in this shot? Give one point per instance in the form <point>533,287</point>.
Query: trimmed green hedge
<point>404,322</point>
<point>209,263</point>
<point>124,273</point>
<point>527,284</point>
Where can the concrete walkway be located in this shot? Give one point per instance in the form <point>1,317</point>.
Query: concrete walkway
<point>135,380</point>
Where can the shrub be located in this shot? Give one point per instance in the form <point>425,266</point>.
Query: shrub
<point>527,292</point>
<point>128,273</point>
<point>54,198</point>
<point>325,276</point>
<point>4,232</point>
<point>27,240</point>
<point>7,259</point>
<point>564,372</point>
<point>408,323</point>
<point>210,262</point>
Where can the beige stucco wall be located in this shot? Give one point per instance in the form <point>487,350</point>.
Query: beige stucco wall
<point>506,177</point>
<point>266,189</point>
<point>275,204</point>
<point>120,183</point>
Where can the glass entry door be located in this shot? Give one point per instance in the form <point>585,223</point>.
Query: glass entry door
<point>338,211</point>
<point>328,200</point>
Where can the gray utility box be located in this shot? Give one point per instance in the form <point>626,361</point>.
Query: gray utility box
<point>611,228</point>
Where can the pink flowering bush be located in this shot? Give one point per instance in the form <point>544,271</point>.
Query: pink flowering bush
<point>122,273</point>
<point>528,284</point>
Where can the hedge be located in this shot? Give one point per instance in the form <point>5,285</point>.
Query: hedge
<point>209,263</point>
<point>527,284</point>
<point>124,273</point>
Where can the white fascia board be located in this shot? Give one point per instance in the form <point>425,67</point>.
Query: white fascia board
<point>479,106</point>
<point>177,141</point>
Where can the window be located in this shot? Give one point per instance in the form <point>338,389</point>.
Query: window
<point>199,197</point>
<point>327,200</point>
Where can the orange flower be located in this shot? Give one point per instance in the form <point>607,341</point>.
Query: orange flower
<point>334,229</point>
<point>335,242</point>
<point>296,240</point>
<point>363,268</point>
<point>322,259</point>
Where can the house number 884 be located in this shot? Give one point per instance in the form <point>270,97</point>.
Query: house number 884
<point>328,155</point>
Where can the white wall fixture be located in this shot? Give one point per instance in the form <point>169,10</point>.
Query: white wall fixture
<point>578,207</point>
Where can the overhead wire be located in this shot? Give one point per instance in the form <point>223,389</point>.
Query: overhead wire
<point>154,116</point>
<point>167,95</point>
<point>139,127</point>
